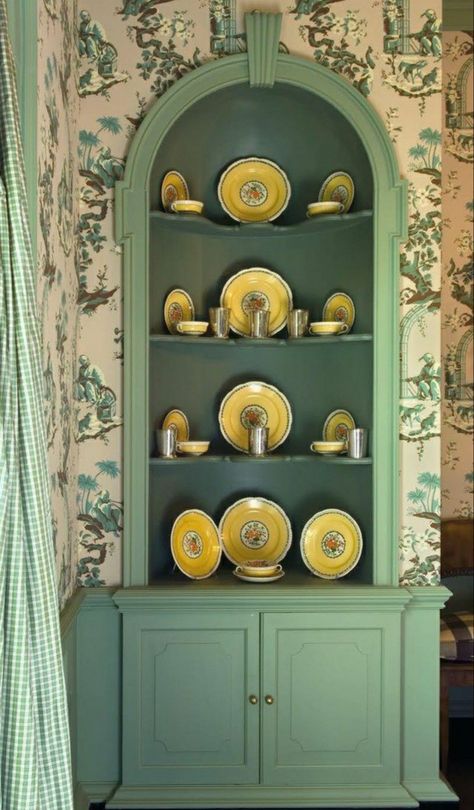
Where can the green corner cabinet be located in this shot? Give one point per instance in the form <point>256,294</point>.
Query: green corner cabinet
<point>304,692</point>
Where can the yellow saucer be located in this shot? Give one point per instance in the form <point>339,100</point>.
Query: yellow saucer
<point>178,307</point>
<point>340,307</point>
<point>254,190</point>
<point>256,288</point>
<point>338,187</point>
<point>327,448</point>
<point>331,544</point>
<point>173,187</point>
<point>179,421</point>
<point>195,544</point>
<point>337,426</point>
<point>326,328</point>
<point>256,404</point>
<point>187,207</point>
<point>318,208</point>
<point>253,527</point>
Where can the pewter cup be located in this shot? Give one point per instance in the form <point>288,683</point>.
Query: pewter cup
<point>297,322</point>
<point>259,320</point>
<point>357,443</point>
<point>219,320</point>
<point>258,441</point>
<point>166,442</point>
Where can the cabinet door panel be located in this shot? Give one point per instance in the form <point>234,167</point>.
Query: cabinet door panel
<point>335,684</point>
<point>188,719</point>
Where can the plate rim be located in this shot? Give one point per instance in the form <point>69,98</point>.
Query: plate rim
<point>329,416</point>
<point>346,295</point>
<point>348,569</point>
<point>269,272</point>
<point>189,300</point>
<point>265,500</point>
<point>186,420</point>
<point>253,159</point>
<point>178,174</point>
<point>328,180</point>
<point>219,556</point>
<point>267,385</point>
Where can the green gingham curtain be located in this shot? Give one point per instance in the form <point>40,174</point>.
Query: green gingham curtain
<point>34,735</point>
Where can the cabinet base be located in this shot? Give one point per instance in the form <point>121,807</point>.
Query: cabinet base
<point>153,798</point>
<point>437,790</point>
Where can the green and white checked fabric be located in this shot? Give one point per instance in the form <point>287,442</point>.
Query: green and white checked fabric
<point>35,772</point>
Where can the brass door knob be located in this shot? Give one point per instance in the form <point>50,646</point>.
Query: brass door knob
<point>253,699</point>
<point>268,699</point>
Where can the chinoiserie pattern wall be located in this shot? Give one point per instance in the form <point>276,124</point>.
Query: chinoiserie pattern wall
<point>457,299</point>
<point>58,198</point>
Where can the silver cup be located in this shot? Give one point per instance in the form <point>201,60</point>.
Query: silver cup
<point>297,322</point>
<point>258,441</point>
<point>357,443</point>
<point>259,320</point>
<point>166,442</point>
<point>219,320</point>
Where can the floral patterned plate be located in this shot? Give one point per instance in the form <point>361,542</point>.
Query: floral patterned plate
<point>254,404</point>
<point>338,187</point>
<point>331,544</point>
<point>178,307</point>
<point>252,528</point>
<point>340,307</point>
<point>173,187</point>
<point>195,544</point>
<point>256,288</point>
<point>179,421</point>
<point>254,190</point>
<point>337,426</point>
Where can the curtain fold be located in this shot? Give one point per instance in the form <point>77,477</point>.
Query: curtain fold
<point>35,770</point>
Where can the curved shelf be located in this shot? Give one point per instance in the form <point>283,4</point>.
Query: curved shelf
<point>252,342</point>
<point>270,459</point>
<point>192,223</point>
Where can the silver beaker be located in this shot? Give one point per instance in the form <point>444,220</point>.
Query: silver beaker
<point>258,441</point>
<point>297,322</point>
<point>259,320</point>
<point>166,442</point>
<point>219,319</point>
<point>357,442</point>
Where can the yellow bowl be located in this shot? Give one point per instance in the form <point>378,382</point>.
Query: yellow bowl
<point>191,448</point>
<point>259,568</point>
<point>187,207</point>
<point>326,327</point>
<point>317,208</point>
<point>328,448</point>
<point>195,328</point>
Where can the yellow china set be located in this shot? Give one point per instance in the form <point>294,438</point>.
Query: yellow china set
<point>178,420</point>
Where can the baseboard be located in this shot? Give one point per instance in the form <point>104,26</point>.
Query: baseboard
<point>81,801</point>
<point>97,791</point>
<point>439,790</point>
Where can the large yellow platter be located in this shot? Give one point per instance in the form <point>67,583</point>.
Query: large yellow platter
<point>256,288</point>
<point>254,190</point>
<point>340,307</point>
<point>195,544</point>
<point>253,528</point>
<point>254,404</point>
<point>337,426</point>
<point>331,544</point>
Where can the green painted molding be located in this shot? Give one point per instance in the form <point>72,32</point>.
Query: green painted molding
<point>70,611</point>
<point>425,597</point>
<point>458,15</point>
<point>94,598</point>
<point>263,38</point>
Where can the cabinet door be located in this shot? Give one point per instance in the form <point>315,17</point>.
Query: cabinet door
<point>187,715</point>
<point>334,681</point>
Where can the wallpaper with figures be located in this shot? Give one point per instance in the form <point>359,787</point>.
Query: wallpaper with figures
<point>130,52</point>
<point>58,113</point>
<point>457,302</point>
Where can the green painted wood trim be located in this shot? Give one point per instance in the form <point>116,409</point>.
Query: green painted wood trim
<point>390,225</point>
<point>70,612</point>
<point>437,791</point>
<point>93,598</point>
<point>458,15</point>
<point>81,799</point>
<point>98,792</point>
<point>263,37</point>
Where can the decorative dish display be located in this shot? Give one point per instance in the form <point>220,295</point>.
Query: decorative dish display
<point>337,425</point>
<point>192,328</point>
<point>338,187</point>
<point>326,328</point>
<point>179,421</point>
<point>256,404</point>
<point>254,190</point>
<point>325,448</point>
<point>178,307</point>
<point>340,307</point>
<point>253,527</point>
<point>173,187</point>
<point>257,580</point>
<point>331,544</point>
<point>256,288</point>
<point>193,448</point>
<point>187,207</point>
<point>317,209</point>
<point>195,544</point>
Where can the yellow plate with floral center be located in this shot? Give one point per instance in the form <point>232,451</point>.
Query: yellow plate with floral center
<point>254,404</point>
<point>179,421</point>
<point>173,187</point>
<point>195,544</point>
<point>340,307</point>
<point>178,307</point>
<point>331,544</point>
<point>254,190</point>
<point>337,426</point>
<point>256,288</point>
<point>253,528</point>
<point>338,187</point>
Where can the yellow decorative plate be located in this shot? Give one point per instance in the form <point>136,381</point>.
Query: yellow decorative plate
<point>178,307</point>
<point>331,544</point>
<point>173,187</point>
<point>179,421</point>
<point>254,190</point>
<point>252,528</point>
<point>195,544</point>
<point>338,187</point>
<point>340,307</point>
<point>256,288</point>
<point>254,404</point>
<point>337,426</point>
